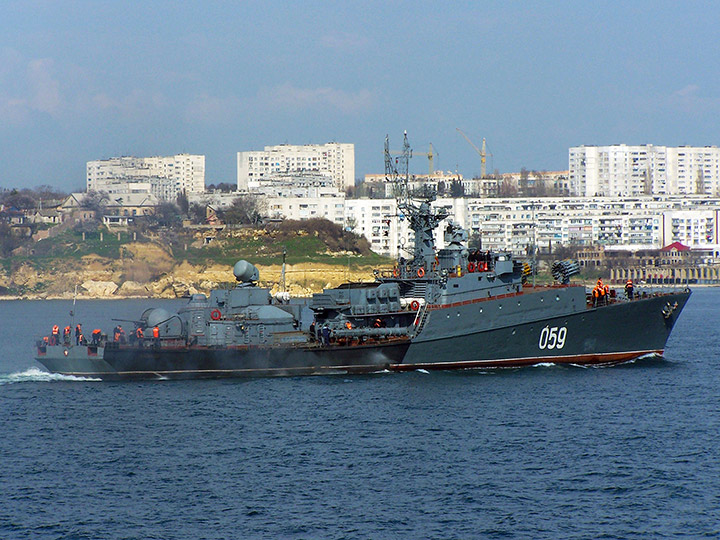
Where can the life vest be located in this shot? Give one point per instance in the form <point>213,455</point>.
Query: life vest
<point>156,332</point>
<point>139,333</point>
<point>56,330</point>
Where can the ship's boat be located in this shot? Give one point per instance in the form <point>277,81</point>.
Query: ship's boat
<point>449,308</point>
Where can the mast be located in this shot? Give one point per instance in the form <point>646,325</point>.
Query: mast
<point>423,220</point>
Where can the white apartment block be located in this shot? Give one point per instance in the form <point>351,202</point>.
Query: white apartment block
<point>303,208</point>
<point>625,171</point>
<point>167,177</point>
<point>334,159</point>
<point>516,224</point>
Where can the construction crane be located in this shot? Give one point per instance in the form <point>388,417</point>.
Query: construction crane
<point>431,154</point>
<point>483,153</point>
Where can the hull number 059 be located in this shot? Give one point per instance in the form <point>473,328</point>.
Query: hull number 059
<point>552,337</point>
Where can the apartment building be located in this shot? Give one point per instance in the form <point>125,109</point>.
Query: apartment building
<point>334,159</point>
<point>621,170</point>
<point>517,224</point>
<point>165,177</point>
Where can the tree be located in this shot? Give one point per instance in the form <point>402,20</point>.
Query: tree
<point>197,213</point>
<point>167,214</point>
<point>95,200</point>
<point>457,190</point>
<point>182,203</point>
<point>8,241</point>
<point>507,188</point>
<point>539,188</point>
<point>222,186</point>
<point>245,210</point>
<point>22,200</point>
<point>524,181</point>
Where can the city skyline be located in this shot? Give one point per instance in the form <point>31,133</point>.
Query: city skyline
<point>86,81</point>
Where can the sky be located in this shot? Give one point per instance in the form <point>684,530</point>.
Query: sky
<point>88,80</point>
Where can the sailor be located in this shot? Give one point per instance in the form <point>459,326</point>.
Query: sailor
<point>55,337</point>
<point>96,336</point>
<point>326,335</point>
<point>139,333</point>
<point>116,334</point>
<point>66,335</point>
<point>629,289</point>
<point>599,293</point>
<point>78,333</point>
<point>377,323</point>
<point>348,325</point>
<point>122,333</point>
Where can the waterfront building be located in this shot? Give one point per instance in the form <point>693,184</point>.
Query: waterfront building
<point>337,160</point>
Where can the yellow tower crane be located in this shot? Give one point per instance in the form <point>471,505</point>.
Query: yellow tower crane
<point>483,153</point>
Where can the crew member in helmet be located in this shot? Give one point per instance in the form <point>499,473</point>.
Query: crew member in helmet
<point>629,289</point>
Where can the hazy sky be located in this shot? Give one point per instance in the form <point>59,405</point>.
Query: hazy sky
<point>91,80</point>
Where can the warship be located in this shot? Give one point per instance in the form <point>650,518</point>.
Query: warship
<point>440,309</point>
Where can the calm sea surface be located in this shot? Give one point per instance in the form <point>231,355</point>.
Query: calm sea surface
<point>545,452</point>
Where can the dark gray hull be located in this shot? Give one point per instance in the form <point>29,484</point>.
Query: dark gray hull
<point>169,362</point>
<point>606,335</point>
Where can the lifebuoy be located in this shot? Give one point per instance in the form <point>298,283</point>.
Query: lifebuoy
<point>215,314</point>
<point>420,272</point>
<point>414,305</point>
<point>471,267</point>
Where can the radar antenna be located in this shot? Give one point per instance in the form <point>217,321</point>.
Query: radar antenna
<point>422,218</point>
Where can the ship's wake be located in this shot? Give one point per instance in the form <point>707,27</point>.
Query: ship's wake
<point>37,375</point>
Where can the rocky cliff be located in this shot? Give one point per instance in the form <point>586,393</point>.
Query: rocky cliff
<point>147,270</point>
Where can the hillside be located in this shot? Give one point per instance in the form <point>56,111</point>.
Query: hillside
<point>168,264</point>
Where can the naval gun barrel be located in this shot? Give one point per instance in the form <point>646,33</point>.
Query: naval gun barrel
<point>563,270</point>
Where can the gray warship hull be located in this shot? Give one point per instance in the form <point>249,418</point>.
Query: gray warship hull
<point>545,325</point>
<point>605,335</point>
<point>171,361</point>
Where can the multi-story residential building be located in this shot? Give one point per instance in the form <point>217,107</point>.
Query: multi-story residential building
<point>166,177</point>
<point>335,159</point>
<point>622,170</point>
<point>518,224</point>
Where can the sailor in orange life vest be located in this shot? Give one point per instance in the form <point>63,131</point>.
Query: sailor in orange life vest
<point>600,293</point>
<point>55,336</point>
<point>629,289</point>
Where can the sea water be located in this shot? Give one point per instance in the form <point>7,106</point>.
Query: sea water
<point>551,452</point>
